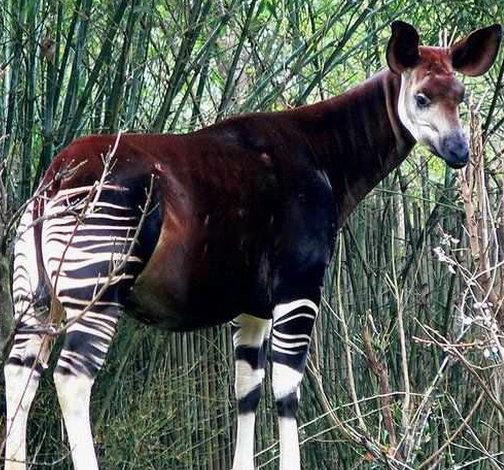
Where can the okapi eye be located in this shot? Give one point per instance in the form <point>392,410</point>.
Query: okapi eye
<point>421,100</point>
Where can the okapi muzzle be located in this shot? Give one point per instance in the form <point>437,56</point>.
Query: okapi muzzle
<point>455,149</point>
<point>430,95</point>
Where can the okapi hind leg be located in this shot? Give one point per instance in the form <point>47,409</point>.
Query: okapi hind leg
<point>30,349</point>
<point>82,356</point>
<point>292,328</point>
<point>250,339</point>
<point>92,265</point>
<point>22,372</point>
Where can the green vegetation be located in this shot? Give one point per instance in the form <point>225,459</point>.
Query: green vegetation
<point>164,401</point>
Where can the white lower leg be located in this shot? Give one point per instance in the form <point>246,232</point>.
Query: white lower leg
<point>244,453</point>
<point>248,391</point>
<point>21,384</point>
<point>286,382</point>
<point>289,444</point>
<point>74,393</point>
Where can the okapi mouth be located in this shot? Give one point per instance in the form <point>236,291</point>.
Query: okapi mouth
<point>456,165</point>
<point>451,161</point>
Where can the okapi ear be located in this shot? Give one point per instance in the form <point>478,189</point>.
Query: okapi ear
<point>402,49</point>
<point>476,53</point>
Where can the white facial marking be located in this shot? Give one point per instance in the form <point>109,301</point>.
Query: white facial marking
<point>428,125</point>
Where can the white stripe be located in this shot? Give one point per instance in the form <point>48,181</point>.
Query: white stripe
<point>283,309</point>
<point>298,315</point>
<point>85,238</point>
<point>111,206</point>
<point>92,331</point>
<point>105,228</point>
<point>99,215</point>
<point>63,193</point>
<point>289,336</point>
<point>284,351</point>
<point>75,227</point>
<point>67,298</point>
<point>289,345</point>
<point>88,250</point>
<point>70,265</point>
<point>65,282</point>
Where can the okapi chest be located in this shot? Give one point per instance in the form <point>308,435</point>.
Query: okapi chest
<point>242,214</point>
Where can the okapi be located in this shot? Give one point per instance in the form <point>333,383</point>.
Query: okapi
<point>240,226</point>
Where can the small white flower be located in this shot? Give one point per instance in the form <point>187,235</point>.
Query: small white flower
<point>486,353</point>
<point>451,269</point>
<point>467,320</point>
<point>440,253</point>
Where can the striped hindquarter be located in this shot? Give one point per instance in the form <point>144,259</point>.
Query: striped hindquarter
<point>81,258</point>
<point>90,262</point>
<point>83,243</point>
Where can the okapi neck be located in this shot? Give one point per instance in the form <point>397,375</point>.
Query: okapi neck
<point>357,137</point>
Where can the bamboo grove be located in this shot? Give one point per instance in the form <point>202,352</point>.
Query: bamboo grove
<point>408,350</point>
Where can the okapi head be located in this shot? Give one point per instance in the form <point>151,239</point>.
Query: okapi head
<point>430,94</point>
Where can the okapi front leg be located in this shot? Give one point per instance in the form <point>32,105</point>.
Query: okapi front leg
<point>250,338</point>
<point>292,327</point>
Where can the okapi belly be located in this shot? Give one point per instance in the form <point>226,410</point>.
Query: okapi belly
<point>201,275</point>
<point>150,308</point>
<point>165,311</point>
<point>174,300</point>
